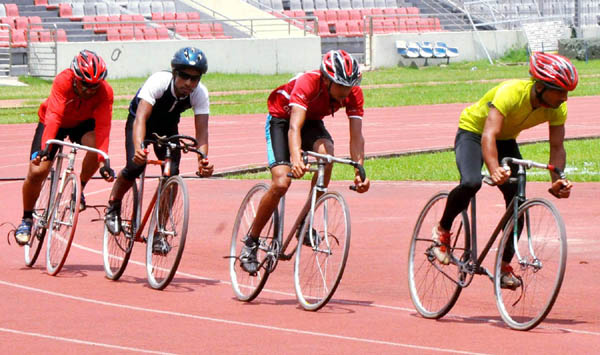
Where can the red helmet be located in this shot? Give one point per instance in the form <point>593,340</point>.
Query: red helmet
<point>89,67</point>
<point>555,71</point>
<point>341,68</point>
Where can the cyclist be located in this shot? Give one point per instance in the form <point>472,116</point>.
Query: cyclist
<point>157,108</point>
<point>79,107</point>
<point>295,123</point>
<point>487,132</point>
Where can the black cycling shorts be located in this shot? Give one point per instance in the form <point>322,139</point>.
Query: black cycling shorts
<point>276,130</point>
<point>75,134</point>
<point>132,170</point>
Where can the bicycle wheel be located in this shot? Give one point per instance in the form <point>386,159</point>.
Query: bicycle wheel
<point>116,249</point>
<point>40,218</point>
<point>167,232</point>
<point>245,286</point>
<point>542,247</point>
<point>63,222</point>
<point>433,286</point>
<point>318,269</point>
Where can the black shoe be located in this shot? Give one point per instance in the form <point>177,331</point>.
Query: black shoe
<point>306,239</point>
<point>112,218</point>
<point>160,246</point>
<point>249,261</point>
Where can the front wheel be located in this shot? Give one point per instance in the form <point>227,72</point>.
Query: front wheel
<point>246,286</point>
<point>434,287</point>
<point>116,249</point>
<point>167,232</point>
<point>40,220</point>
<point>540,261</point>
<point>319,268</point>
<point>62,225</point>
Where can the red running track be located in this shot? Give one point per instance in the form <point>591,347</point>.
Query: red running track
<point>81,311</point>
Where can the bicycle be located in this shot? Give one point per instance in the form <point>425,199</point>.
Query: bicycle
<point>327,227</point>
<point>540,253</point>
<point>169,211</point>
<point>56,210</point>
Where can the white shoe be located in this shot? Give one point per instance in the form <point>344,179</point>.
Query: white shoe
<point>441,248</point>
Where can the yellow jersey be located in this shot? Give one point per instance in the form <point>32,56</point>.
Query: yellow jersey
<point>513,99</point>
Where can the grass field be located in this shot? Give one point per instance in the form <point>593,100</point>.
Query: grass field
<point>455,83</point>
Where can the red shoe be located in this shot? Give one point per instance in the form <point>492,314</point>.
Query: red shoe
<point>442,248</point>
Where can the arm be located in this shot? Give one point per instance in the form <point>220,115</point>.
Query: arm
<point>492,128</point>
<point>558,157</point>
<point>297,118</point>
<point>201,123</point>
<point>142,114</point>
<point>357,152</point>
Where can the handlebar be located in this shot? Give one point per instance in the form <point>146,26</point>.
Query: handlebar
<point>527,164</point>
<point>106,171</point>
<point>176,141</point>
<point>331,159</point>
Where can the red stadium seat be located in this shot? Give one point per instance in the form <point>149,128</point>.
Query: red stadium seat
<point>101,27</point>
<point>138,33</point>
<point>355,14</point>
<point>150,33</point>
<point>218,31</point>
<point>193,31</point>
<point>402,25</point>
<point>34,36</point>
<point>61,35</point>
<point>86,25</point>
<point>320,14</point>
<point>40,2</point>
<point>18,38</point>
<point>324,30</point>
<point>181,29</point>
<point>343,15</point>
<point>169,16</point>
<point>341,29</point>
<point>205,30</point>
<point>139,19</point>
<point>9,20</point>
<point>354,28</point>
<point>46,36</point>
<point>114,21</point>
<point>11,10</point>
<point>21,23</point>
<point>331,16</point>
<point>35,22</point>
<point>112,34</point>
<point>162,33</point>
<point>65,10</point>
<point>181,16</point>
<point>193,16</point>
<point>126,33</point>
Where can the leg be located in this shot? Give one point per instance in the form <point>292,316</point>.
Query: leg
<point>469,160</point>
<point>280,183</point>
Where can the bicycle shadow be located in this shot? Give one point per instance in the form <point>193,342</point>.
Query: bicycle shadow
<point>337,306</point>
<point>496,321</point>
<point>77,270</point>
<point>178,284</point>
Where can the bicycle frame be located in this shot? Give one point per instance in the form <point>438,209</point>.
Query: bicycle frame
<point>141,223</point>
<point>511,212</point>
<point>318,189</point>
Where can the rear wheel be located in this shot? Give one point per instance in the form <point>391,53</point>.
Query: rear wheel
<point>245,286</point>
<point>540,264</point>
<point>319,268</point>
<point>167,233</point>
<point>40,220</point>
<point>116,249</point>
<point>433,286</point>
<point>63,223</point>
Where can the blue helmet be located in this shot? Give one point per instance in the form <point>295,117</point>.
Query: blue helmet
<point>190,57</point>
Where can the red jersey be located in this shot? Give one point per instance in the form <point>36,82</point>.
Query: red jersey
<point>65,109</point>
<point>309,92</point>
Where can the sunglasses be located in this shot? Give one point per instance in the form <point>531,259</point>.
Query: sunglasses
<point>185,76</point>
<point>89,86</point>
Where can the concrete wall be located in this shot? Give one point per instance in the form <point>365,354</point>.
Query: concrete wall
<point>255,56</point>
<point>496,42</point>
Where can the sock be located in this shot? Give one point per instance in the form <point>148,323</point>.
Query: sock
<point>27,214</point>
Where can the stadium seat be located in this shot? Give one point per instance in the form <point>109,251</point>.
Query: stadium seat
<point>354,14</point>
<point>169,16</point>
<point>113,9</point>
<point>101,9</point>
<point>89,9</point>
<point>411,25</point>
<point>320,5</point>
<point>112,34</point>
<point>181,29</point>
<point>156,6</point>
<point>169,6</point>
<point>162,33</point>
<point>77,12</point>
<point>35,22</point>
<point>439,52</point>
<point>181,16</point>
<point>413,50</point>
<point>341,29</point>
<point>126,33</point>
<point>102,26</point>
<point>45,36</point>
<point>146,10</point>
<point>345,4</point>
<point>324,30</point>
<point>391,4</point>
<point>65,10</point>
<point>205,30</point>
<point>126,20</point>
<point>295,5</point>
<point>138,33</point>
<point>18,38</point>
<point>86,22</point>
<point>342,15</point>
<point>11,10</point>
<point>21,23</point>
<point>193,15</point>
<point>401,26</point>
<point>61,35</point>
<point>277,5</point>
<point>331,16</point>
<point>150,33</point>
<point>368,4</point>
<point>114,21</point>
<point>332,4</point>
<point>133,7</point>
<point>354,28</point>
<point>356,4</point>
<point>450,51</point>
<point>219,31</point>
<point>379,4</point>
<point>193,32</point>
<point>307,5</point>
<point>34,36</point>
<point>40,2</point>
<point>139,20</point>
<point>10,20</point>
<point>423,25</point>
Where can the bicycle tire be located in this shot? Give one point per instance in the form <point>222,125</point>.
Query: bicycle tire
<point>40,218</point>
<point>433,293</point>
<point>116,249</point>
<point>541,281</point>
<point>170,222</point>
<point>63,223</point>
<point>318,269</point>
<point>246,287</point>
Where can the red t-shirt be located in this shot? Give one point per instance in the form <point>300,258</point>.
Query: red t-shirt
<point>308,91</point>
<point>65,109</point>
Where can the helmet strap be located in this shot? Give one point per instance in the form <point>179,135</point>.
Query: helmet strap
<point>539,96</point>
